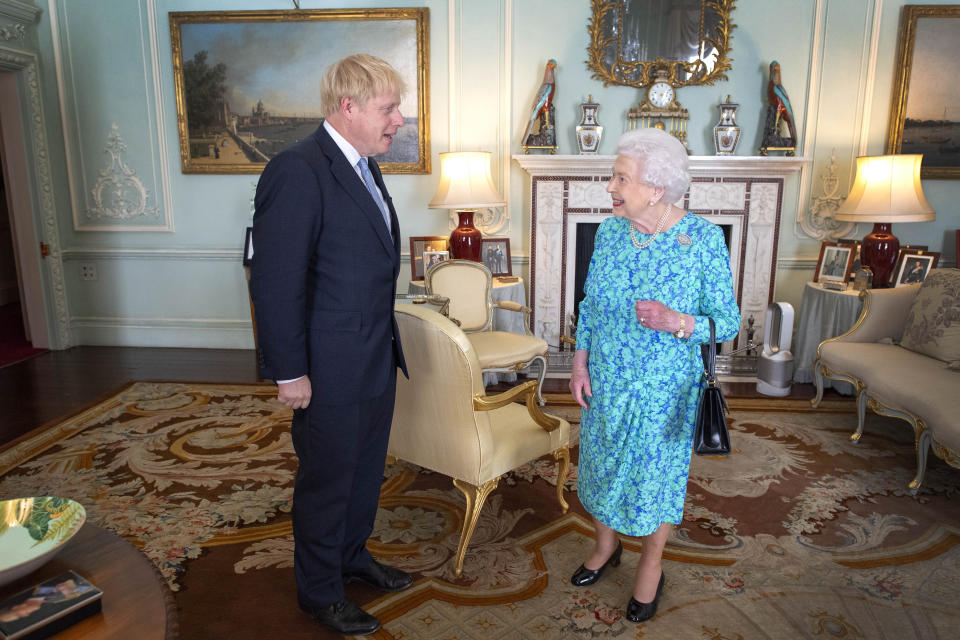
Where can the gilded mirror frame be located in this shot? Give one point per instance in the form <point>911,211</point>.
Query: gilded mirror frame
<point>621,70</point>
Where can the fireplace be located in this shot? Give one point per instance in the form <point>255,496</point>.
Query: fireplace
<point>741,194</point>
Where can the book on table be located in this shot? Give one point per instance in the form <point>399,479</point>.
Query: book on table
<point>48,608</point>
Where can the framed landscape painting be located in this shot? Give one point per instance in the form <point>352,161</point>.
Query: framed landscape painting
<point>925,112</point>
<point>247,83</point>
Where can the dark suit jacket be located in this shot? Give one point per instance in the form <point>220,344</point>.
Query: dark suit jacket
<point>324,274</point>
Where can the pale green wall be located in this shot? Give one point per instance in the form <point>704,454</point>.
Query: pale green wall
<point>185,286</point>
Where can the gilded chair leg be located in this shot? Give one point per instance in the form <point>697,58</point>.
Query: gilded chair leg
<point>562,457</point>
<point>540,378</point>
<point>922,444</point>
<point>818,379</point>
<point>475,496</point>
<point>861,413</point>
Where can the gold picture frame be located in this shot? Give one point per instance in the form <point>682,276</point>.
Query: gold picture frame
<point>249,97</point>
<point>920,92</point>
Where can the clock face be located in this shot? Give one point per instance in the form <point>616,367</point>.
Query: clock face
<point>660,94</point>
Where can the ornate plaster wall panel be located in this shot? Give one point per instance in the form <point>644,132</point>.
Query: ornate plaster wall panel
<point>743,194</point>
<point>114,134</point>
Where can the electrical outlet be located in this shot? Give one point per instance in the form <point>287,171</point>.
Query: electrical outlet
<point>88,271</point>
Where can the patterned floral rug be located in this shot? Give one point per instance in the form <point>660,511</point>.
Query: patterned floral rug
<point>799,534</point>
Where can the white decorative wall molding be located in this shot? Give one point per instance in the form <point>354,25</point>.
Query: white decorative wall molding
<point>27,65</point>
<point>17,10</point>
<point>743,194</point>
<point>117,211</point>
<point>815,221</point>
<point>818,222</point>
<point>494,221</point>
<point>15,32</point>
<point>118,194</point>
<point>170,255</point>
<point>208,333</point>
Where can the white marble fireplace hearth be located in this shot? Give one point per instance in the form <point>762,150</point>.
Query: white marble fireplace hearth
<point>743,193</point>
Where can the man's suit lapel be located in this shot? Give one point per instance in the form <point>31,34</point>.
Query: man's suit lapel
<point>353,185</point>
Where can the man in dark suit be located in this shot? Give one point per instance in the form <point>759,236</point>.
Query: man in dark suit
<point>323,280</point>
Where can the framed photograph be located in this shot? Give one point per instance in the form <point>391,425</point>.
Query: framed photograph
<point>856,254</point>
<point>48,607</point>
<point>924,113</point>
<point>914,266</point>
<point>242,97</point>
<point>418,246</point>
<point>431,258</point>
<point>248,247</point>
<point>495,253</point>
<point>834,263</point>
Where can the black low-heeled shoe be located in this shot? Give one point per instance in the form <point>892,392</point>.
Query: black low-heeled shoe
<point>641,611</point>
<point>584,577</point>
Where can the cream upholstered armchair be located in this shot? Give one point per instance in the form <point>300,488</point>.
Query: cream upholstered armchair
<point>469,286</point>
<point>444,421</point>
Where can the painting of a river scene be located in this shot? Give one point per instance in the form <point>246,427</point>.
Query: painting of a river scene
<point>248,82</point>
<point>925,117</point>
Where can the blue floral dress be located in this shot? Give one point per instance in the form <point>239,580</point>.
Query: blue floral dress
<point>637,437</point>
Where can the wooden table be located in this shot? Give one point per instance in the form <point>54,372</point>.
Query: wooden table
<point>136,600</point>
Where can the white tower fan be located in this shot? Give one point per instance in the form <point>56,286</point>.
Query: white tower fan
<point>775,365</point>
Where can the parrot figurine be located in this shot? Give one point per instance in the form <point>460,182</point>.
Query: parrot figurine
<point>777,97</point>
<point>544,97</point>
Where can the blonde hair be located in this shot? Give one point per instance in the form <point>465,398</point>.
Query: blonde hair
<point>663,160</point>
<point>360,77</point>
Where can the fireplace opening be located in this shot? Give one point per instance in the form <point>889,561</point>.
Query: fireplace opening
<point>585,235</point>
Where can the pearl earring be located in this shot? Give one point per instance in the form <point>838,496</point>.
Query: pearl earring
<point>651,203</point>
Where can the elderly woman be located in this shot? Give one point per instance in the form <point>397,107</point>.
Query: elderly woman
<point>657,274</point>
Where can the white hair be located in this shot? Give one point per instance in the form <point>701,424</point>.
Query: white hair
<point>663,160</point>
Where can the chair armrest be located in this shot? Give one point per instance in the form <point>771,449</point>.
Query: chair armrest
<point>883,315</point>
<point>528,391</point>
<point>510,305</point>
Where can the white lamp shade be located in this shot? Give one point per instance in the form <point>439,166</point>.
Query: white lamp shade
<point>887,189</point>
<point>465,182</point>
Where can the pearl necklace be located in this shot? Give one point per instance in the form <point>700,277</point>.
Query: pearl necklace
<point>656,232</point>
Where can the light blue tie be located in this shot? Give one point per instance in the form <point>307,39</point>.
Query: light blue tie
<point>372,188</point>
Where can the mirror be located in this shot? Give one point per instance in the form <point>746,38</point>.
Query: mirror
<point>690,39</point>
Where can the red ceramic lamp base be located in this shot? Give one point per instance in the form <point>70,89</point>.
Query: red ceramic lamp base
<point>879,251</point>
<point>465,239</point>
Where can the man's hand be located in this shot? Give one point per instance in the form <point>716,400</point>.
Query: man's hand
<point>296,394</point>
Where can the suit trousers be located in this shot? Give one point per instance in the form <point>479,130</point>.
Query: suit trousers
<point>341,451</point>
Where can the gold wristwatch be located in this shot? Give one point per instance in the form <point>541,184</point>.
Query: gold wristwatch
<point>683,325</point>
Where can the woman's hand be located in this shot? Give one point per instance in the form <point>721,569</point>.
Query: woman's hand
<point>659,317</point>
<point>580,379</point>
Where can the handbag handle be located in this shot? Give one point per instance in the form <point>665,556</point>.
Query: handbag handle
<point>709,354</point>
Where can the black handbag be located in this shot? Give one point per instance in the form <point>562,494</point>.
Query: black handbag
<point>711,437</point>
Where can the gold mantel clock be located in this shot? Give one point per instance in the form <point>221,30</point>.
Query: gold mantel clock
<point>660,109</point>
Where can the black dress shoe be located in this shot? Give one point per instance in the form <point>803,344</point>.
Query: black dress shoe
<point>640,611</point>
<point>344,617</point>
<point>381,577</point>
<point>584,577</point>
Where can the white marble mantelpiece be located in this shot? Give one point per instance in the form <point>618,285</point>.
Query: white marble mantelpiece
<point>744,193</point>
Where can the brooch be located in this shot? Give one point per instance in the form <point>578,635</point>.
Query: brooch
<point>684,240</point>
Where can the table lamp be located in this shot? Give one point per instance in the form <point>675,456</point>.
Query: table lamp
<point>465,185</point>
<point>886,190</point>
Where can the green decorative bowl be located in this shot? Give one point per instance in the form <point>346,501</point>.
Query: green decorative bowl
<point>33,530</point>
